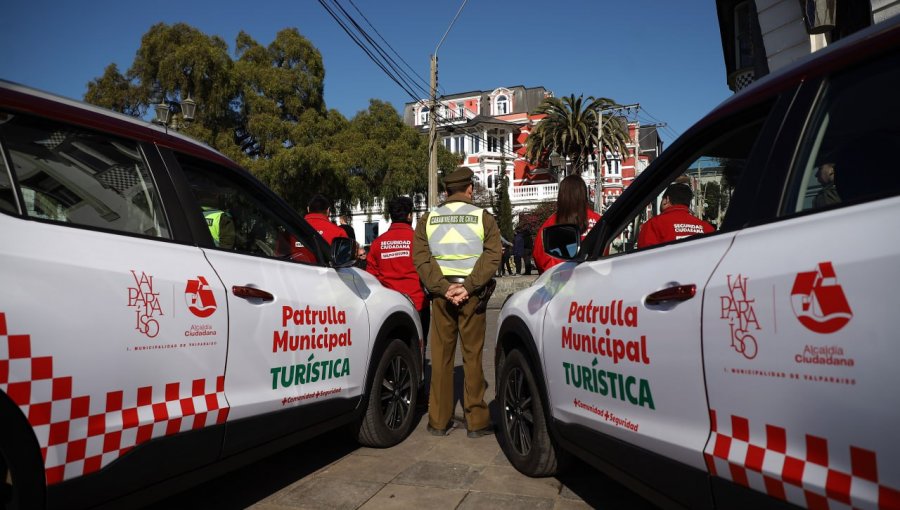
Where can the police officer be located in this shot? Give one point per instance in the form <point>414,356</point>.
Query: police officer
<point>221,226</point>
<point>456,251</point>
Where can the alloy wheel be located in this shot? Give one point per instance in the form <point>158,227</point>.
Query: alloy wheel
<point>518,412</point>
<point>396,393</point>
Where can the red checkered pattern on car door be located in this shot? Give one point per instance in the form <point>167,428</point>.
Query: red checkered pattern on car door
<point>760,458</point>
<point>79,434</point>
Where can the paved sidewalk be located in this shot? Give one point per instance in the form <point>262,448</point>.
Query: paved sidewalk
<point>424,471</point>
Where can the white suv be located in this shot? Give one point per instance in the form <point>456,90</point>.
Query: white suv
<point>162,311</point>
<point>754,366</point>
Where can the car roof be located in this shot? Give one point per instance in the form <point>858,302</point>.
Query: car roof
<point>22,98</point>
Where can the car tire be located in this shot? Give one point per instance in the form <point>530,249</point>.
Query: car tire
<point>392,398</point>
<point>525,438</point>
<point>18,488</point>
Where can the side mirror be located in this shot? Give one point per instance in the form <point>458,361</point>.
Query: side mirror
<point>343,251</point>
<point>561,241</point>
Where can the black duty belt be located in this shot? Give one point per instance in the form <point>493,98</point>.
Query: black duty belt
<point>455,279</point>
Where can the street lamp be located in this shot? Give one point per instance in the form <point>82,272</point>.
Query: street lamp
<point>557,161</point>
<point>187,107</point>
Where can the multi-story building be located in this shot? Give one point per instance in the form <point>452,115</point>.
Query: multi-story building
<point>489,129</point>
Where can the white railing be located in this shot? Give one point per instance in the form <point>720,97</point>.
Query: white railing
<point>533,193</point>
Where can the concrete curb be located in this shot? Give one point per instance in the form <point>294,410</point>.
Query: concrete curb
<point>507,285</point>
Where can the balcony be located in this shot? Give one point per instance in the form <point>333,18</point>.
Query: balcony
<point>533,193</point>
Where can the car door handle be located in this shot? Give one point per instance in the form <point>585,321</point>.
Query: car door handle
<point>677,293</point>
<point>251,293</point>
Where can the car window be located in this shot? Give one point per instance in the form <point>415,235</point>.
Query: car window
<point>238,216</point>
<point>695,200</point>
<point>71,175</point>
<point>849,153</point>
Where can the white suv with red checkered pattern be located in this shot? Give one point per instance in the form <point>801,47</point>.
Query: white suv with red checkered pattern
<point>751,366</point>
<point>162,311</point>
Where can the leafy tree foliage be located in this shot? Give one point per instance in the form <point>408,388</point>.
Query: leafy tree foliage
<point>570,129</point>
<point>504,206</point>
<point>115,92</point>
<point>265,108</point>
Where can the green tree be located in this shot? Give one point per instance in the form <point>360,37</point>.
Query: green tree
<point>116,92</point>
<point>265,109</point>
<point>504,204</point>
<point>570,129</point>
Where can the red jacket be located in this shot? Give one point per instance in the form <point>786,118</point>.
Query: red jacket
<point>390,260</point>
<point>674,223</point>
<point>544,261</point>
<point>324,226</point>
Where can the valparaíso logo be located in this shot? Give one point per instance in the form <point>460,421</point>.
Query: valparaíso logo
<point>819,302</point>
<point>199,297</point>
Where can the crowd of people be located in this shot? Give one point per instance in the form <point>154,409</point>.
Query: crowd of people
<point>446,265</point>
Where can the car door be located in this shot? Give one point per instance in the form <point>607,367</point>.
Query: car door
<point>114,326</point>
<point>298,330</point>
<point>622,339</point>
<point>803,395</point>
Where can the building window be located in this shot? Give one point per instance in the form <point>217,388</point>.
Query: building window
<point>371,232</point>
<point>476,144</point>
<point>613,164</point>
<point>496,141</point>
<point>448,143</point>
<point>423,115</point>
<point>501,105</point>
<point>459,143</point>
<point>460,110</point>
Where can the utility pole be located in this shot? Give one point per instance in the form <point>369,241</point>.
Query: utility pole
<point>432,137</point>
<point>598,185</point>
<point>432,121</point>
<point>598,181</point>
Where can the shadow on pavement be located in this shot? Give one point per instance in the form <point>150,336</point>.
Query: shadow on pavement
<point>250,484</point>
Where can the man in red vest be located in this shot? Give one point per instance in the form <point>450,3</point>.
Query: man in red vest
<point>390,259</point>
<point>317,216</point>
<point>675,221</point>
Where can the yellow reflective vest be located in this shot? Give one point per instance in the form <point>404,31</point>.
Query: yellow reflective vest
<point>455,233</point>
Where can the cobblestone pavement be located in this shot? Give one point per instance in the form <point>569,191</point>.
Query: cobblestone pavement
<point>452,472</point>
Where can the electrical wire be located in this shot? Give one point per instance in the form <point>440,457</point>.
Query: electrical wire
<point>409,84</point>
<point>420,77</point>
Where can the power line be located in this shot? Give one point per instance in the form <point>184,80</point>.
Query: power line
<point>408,80</point>
<point>402,83</point>
<point>421,78</point>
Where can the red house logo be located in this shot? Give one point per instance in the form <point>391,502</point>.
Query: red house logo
<point>819,302</point>
<point>199,297</point>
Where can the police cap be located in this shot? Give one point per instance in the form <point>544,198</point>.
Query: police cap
<point>462,175</point>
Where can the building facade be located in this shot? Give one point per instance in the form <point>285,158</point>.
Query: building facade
<point>762,36</point>
<point>489,130</point>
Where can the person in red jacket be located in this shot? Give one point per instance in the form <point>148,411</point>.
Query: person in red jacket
<point>675,220</point>
<point>317,216</point>
<point>571,208</point>
<point>390,259</point>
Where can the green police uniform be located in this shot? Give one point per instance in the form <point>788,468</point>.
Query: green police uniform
<point>457,243</point>
<point>221,226</point>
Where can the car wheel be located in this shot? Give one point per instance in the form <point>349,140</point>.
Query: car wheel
<point>392,399</point>
<point>524,435</point>
<point>17,492</point>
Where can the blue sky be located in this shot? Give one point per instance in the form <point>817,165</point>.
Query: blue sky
<point>663,54</point>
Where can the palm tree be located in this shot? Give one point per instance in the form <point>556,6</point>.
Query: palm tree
<point>570,128</point>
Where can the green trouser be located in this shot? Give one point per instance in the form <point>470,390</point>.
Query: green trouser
<point>447,322</point>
